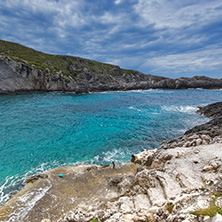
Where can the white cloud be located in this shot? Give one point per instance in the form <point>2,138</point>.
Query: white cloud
<point>117,2</point>
<point>196,61</point>
<point>111,18</point>
<point>149,35</point>
<point>63,13</point>
<point>175,14</point>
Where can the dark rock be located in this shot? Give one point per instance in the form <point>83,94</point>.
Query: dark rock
<point>206,133</point>
<point>36,177</point>
<point>139,170</point>
<point>212,110</point>
<point>133,158</point>
<point>114,181</point>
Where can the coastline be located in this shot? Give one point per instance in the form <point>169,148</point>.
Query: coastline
<point>17,77</point>
<point>183,174</point>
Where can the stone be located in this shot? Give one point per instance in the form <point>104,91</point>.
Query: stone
<point>206,219</point>
<point>144,158</point>
<point>198,141</point>
<point>207,168</point>
<point>36,177</point>
<point>141,201</point>
<point>218,202</point>
<point>217,218</point>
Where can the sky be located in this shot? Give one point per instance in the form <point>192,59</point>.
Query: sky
<point>171,38</point>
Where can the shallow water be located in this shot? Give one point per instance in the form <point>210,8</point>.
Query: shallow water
<point>43,131</point>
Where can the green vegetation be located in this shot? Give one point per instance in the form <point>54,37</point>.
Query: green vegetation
<point>147,220</point>
<point>94,220</point>
<point>211,183</point>
<point>212,210</point>
<point>170,207</point>
<point>67,65</point>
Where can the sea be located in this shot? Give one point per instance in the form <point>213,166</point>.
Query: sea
<point>39,132</point>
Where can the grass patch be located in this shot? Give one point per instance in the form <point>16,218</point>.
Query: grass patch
<point>211,211</point>
<point>217,194</point>
<point>211,183</point>
<point>170,207</point>
<point>94,220</point>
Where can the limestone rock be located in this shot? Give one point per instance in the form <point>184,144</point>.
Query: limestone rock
<point>217,218</point>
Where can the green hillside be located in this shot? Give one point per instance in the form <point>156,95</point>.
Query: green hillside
<point>52,63</point>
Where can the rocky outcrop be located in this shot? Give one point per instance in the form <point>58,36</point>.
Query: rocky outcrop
<point>172,183</point>
<point>207,133</point>
<point>198,82</point>
<point>84,76</point>
<point>178,184</point>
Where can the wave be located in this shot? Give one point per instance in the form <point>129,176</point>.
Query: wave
<point>136,91</point>
<point>216,89</point>
<point>131,107</point>
<point>181,109</point>
<point>28,201</point>
<point>14,184</point>
<point>116,155</point>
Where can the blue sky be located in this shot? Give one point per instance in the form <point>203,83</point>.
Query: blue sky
<point>162,37</point>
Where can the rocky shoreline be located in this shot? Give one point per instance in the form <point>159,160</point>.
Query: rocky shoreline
<point>25,70</point>
<point>179,181</point>
<point>19,78</point>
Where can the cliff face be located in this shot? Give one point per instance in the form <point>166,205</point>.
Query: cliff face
<point>25,70</point>
<point>18,77</point>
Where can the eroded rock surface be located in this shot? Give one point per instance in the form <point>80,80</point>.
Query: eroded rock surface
<point>167,191</point>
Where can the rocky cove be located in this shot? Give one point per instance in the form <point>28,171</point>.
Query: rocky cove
<point>179,181</point>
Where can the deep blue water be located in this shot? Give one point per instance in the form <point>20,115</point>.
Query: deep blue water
<point>42,131</point>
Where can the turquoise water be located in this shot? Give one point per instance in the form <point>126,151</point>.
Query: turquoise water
<point>42,131</point>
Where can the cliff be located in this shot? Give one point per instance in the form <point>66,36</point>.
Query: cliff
<point>180,181</point>
<point>24,70</point>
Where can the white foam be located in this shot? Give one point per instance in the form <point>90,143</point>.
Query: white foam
<point>134,108</point>
<point>8,182</point>
<point>28,201</point>
<point>116,155</point>
<point>182,109</point>
<point>12,183</point>
<point>137,91</point>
